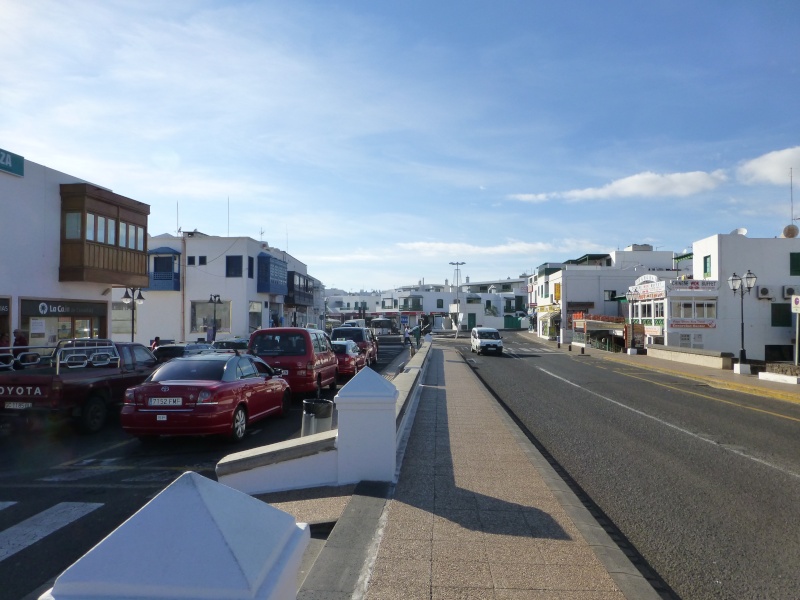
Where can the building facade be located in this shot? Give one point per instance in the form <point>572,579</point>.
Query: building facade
<point>66,243</point>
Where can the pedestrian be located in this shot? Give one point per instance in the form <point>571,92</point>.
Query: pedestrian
<point>5,341</point>
<point>417,333</point>
<point>406,336</point>
<point>156,343</point>
<point>20,342</point>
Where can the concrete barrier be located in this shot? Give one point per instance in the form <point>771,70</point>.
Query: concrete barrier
<point>695,356</point>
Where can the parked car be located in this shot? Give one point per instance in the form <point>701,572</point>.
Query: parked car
<point>351,358</point>
<point>486,339</point>
<point>170,351</point>
<point>205,394</point>
<point>362,336</point>
<point>304,354</point>
<point>231,344</point>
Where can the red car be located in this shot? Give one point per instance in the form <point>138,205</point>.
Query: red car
<point>351,357</point>
<point>362,336</point>
<point>205,394</point>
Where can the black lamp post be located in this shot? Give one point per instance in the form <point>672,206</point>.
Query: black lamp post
<point>458,304</point>
<point>214,299</point>
<point>133,296</point>
<point>739,285</point>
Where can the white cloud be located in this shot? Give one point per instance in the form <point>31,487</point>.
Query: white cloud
<point>772,167</point>
<point>642,185</point>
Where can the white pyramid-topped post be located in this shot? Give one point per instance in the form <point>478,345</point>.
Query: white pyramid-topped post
<point>196,539</point>
<point>367,439</point>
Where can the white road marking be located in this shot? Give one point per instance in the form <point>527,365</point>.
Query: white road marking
<point>30,531</point>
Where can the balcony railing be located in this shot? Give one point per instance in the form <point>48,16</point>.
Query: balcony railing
<point>165,281</point>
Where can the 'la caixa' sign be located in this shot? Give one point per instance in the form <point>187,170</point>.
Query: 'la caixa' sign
<point>12,163</point>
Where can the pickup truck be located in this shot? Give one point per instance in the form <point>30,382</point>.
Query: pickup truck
<point>80,379</point>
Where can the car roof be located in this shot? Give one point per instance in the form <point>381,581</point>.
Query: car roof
<point>484,329</point>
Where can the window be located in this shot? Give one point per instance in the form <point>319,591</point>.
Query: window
<point>132,237</point>
<point>190,261</point>
<point>101,229</point>
<point>201,260</point>
<point>89,227</point>
<point>72,222</point>
<point>112,232</point>
<point>794,263</point>
<point>439,303</point>
<point>609,294</point>
<point>781,314</point>
<point>123,234</point>
<point>659,310</point>
<point>250,267</point>
<point>706,266</point>
<point>140,239</point>
<point>233,266</point>
<point>162,264</point>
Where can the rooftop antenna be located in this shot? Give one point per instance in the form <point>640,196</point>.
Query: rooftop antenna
<point>261,234</point>
<point>229,216</point>
<point>178,217</point>
<point>791,230</point>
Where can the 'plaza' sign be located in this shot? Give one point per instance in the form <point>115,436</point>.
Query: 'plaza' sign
<point>12,163</point>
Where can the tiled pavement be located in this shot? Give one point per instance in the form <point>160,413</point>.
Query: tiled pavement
<point>478,514</point>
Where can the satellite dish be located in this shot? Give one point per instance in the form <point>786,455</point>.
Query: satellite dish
<point>790,231</point>
<point>739,231</point>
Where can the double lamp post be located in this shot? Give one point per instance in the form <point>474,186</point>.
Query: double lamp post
<point>740,285</point>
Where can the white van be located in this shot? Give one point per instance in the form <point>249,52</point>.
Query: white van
<point>483,339</point>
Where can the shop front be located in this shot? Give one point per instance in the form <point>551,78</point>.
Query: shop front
<point>46,321</point>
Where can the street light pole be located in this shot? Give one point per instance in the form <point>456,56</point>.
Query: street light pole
<point>735,282</point>
<point>214,299</point>
<point>458,303</point>
<point>133,296</point>
<point>630,296</point>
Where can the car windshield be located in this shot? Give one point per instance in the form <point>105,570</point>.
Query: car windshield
<point>348,333</point>
<point>339,348</point>
<point>489,335</point>
<point>231,344</point>
<point>279,344</point>
<point>206,370</point>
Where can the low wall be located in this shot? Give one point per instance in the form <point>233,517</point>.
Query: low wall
<point>694,356</point>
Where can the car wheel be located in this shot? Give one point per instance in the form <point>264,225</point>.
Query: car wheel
<point>94,414</point>
<point>286,404</point>
<point>239,424</point>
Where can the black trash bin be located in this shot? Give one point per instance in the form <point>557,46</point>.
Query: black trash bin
<point>317,416</point>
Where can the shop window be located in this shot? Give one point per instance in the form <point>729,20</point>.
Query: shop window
<point>203,313</point>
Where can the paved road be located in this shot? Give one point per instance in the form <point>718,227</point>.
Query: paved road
<point>704,483</point>
<point>61,493</point>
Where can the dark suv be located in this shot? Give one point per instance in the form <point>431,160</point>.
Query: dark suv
<point>362,336</point>
<point>170,351</point>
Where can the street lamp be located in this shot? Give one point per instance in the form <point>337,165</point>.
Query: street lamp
<point>133,296</point>
<point>735,282</point>
<point>458,304</point>
<point>214,299</point>
<point>630,296</point>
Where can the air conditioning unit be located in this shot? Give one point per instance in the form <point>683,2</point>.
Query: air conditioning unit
<point>790,290</point>
<point>764,292</point>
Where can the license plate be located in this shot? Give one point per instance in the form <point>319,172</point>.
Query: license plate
<point>161,417</point>
<point>164,401</point>
<point>18,405</point>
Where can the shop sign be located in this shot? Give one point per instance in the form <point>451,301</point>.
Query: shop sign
<point>694,285</point>
<point>650,291</point>
<point>56,308</point>
<point>653,330</point>
<point>12,163</point>
<point>692,323</point>
<point>4,306</point>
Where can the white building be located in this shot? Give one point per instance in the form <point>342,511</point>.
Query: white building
<point>204,287</point>
<point>702,311</point>
<point>591,285</point>
<point>65,243</point>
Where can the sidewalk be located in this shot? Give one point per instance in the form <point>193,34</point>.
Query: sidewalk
<point>478,513</point>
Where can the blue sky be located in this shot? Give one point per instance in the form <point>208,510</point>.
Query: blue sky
<point>379,141</point>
